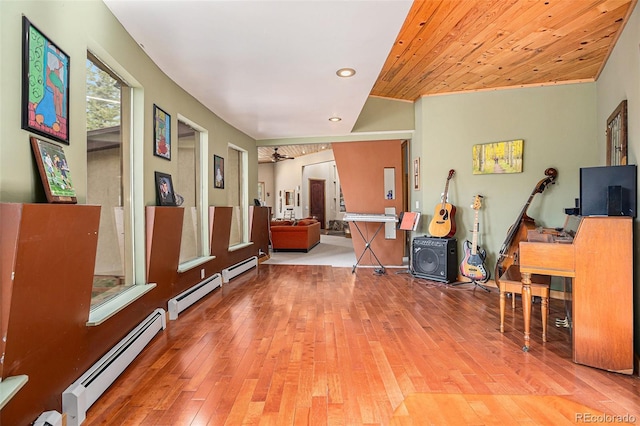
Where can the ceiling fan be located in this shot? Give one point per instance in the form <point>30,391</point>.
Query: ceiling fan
<point>276,156</point>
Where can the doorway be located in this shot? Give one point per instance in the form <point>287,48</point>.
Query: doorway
<point>317,200</point>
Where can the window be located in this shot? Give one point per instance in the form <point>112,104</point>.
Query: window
<point>192,145</point>
<point>237,193</point>
<point>104,178</point>
<point>114,181</point>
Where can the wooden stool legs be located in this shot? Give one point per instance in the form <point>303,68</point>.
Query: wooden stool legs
<point>527,285</point>
<point>503,295</point>
<point>545,314</point>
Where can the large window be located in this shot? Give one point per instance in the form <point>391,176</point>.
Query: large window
<point>192,145</point>
<point>186,187</point>
<point>236,178</point>
<point>105,184</point>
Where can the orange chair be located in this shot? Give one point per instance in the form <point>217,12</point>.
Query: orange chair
<point>511,282</point>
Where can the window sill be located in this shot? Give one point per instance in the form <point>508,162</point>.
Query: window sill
<point>239,246</point>
<point>10,386</point>
<point>103,312</point>
<point>190,264</point>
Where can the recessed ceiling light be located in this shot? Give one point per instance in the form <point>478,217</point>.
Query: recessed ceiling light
<point>335,119</point>
<point>346,72</point>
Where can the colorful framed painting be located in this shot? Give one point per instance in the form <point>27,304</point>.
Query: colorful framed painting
<point>218,172</point>
<point>498,157</point>
<point>54,171</point>
<point>45,85</point>
<point>161,133</point>
<point>165,194</point>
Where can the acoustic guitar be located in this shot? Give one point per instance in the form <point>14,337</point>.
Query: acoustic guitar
<point>472,266</point>
<point>443,223</point>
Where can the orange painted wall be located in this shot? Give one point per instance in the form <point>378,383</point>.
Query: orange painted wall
<point>361,169</point>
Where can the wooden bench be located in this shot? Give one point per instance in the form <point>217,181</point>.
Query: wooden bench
<point>510,282</point>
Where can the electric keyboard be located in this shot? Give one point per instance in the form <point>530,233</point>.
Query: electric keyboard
<point>369,217</point>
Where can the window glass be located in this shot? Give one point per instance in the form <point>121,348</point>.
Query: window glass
<point>236,170</point>
<point>187,191</point>
<point>104,178</point>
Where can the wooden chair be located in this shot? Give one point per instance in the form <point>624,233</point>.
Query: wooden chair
<point>510,282</point>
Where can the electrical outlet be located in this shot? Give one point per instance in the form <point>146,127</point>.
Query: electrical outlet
<point>202,273</point>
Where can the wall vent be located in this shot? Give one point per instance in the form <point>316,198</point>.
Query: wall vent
<point>81,395</point>
<point>239,268</point>
<point>192,295</point>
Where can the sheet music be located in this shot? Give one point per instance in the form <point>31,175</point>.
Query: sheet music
<point>409,221</point>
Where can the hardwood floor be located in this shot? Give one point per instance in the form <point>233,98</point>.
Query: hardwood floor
<point>322,346</point>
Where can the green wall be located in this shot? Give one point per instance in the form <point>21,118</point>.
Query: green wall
<point>78,26</point>
<point>557,124</point>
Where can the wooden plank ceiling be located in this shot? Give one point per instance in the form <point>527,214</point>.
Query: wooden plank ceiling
<point>449,46</point>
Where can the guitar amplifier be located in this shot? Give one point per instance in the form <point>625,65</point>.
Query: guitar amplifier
<point>435,259</point>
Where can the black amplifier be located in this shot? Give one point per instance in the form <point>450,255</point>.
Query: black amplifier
<point>435,259</point>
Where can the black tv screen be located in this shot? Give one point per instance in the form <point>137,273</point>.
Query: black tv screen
<point>608,191</point>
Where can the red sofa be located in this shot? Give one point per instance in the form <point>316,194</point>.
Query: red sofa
<point>301,235</point>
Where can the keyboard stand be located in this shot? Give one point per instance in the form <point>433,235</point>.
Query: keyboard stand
<point>367,246</point>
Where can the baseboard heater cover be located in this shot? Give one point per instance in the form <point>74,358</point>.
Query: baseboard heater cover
<point>81,394</point>
<point>49,418</point>
<point>239,268</point>
<point>192,295</point>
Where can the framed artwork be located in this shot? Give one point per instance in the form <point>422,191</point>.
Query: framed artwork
<point>165,194</point>
<point>288,198</point>
<point>416,173</point>
<point>498,157</point>
<point>54,171</point>
<point>161,133</point>
<point>45,85</point>
<point>617,136</point>
<point>218,172</point>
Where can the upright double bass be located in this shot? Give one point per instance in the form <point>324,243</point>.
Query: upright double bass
<point>509,251</point>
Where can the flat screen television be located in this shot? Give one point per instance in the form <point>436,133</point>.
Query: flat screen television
<point>608,191</point>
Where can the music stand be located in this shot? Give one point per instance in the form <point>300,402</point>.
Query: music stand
<point>408,221</point>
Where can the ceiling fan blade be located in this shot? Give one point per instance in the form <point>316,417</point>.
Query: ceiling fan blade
<point>276,156</point>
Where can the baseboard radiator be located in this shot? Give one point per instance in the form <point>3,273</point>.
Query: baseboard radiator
<point>49,418</point>
<point>192,295</point>
<point>239,268</point>
<point>81,395</point>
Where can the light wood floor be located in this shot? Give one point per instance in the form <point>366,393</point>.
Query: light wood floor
<point>322,346</point>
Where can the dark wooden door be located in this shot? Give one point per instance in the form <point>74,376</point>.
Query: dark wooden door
<point>317,200</point>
